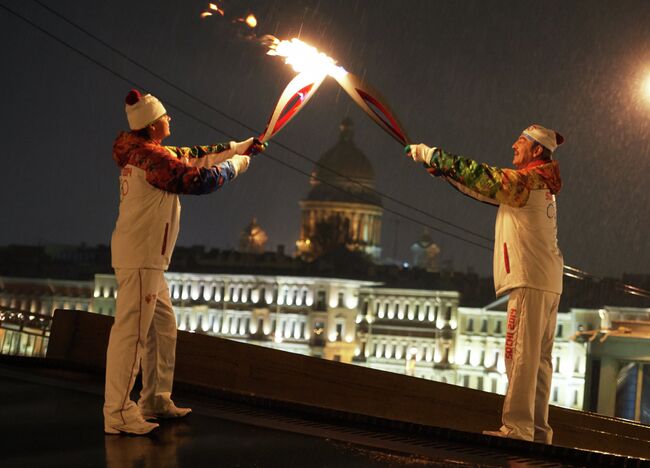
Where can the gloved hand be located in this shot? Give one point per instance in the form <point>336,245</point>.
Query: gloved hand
<point>240,147</point>
<point>240,163</point>
<point>419,152</point>
<point>258,146</point>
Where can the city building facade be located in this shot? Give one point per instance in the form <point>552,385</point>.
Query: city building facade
<point>418,332</point>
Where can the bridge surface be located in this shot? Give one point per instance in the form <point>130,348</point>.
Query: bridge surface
<point>255,406</point>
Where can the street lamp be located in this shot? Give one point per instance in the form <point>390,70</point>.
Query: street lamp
<point>645,87</point>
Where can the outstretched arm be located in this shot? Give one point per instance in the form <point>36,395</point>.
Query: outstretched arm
<point>208,156</point>
<point>192,152</point>
<point>169,173</point>
<point>476,179</point>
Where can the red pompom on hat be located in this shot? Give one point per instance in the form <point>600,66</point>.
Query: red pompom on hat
<point>133,97</point>
<point>142,110</point>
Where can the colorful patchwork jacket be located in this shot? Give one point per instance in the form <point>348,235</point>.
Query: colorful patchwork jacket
<point>151,178</point>
<point>526,252</point>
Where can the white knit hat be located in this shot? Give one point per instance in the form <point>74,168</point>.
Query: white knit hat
<point>142,110</point>
<point>547,138</point>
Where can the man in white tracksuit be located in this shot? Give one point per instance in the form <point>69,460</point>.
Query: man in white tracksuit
<point>527,265</point>
<point>144,332</point>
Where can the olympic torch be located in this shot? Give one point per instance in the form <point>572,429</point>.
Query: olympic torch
<point>312,67</point>
<point>294,97</point>
<point>374,105</point>
<point>299,53</point>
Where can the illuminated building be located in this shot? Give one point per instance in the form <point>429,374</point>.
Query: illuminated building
<point>26,305</point>
<point>618,364</point>
<point>411,330</point>
<point>253,238</point>
<point>418,332</point>
<point>332,217</point>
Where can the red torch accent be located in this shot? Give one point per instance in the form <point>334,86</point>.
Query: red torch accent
<point>295,96</point>
<point>372,104</point>
<point>385,116</point>
<point>290,109</point>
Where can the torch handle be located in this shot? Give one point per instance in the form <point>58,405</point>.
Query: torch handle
<point>252,150</point>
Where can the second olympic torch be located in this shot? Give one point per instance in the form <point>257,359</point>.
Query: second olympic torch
<point>305,57</point>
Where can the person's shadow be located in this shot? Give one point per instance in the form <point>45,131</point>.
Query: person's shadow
<point>156,450</point>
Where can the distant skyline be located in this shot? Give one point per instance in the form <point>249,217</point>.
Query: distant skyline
<point>466,75</point>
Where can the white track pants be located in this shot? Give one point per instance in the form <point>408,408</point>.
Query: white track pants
<point>532,315</point>
<point>144,334</point>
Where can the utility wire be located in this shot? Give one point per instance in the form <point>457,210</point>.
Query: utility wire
<point>228,135</point>
<point>568,270</point>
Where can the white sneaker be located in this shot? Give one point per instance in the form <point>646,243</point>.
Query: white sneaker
<point>138,427</point>
<point>170,412</point>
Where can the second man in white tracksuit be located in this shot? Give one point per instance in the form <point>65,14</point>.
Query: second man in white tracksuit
<point>527,265</point>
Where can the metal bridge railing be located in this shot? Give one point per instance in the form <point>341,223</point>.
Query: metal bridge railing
<point>24,333</point>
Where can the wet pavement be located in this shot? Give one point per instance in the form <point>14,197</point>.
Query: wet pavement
<point>46,423</point>
<point>51,416</point>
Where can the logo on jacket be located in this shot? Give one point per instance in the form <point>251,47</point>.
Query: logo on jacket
<point>149,297</point>
<point>124,188</point>
<point>551,211</point>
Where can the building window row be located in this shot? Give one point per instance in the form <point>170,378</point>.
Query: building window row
<point>484,328</point>
<point>402,310</point>
<point>403,351</point>
<point>106,291</point>
<point>498,327</point>
<point>269,294</point>
<point>45,306</point>
<point>243,325</point>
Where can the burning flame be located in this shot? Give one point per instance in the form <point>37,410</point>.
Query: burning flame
<point>303,57</point>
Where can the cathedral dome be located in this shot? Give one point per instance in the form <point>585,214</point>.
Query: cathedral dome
<point>347,162</point>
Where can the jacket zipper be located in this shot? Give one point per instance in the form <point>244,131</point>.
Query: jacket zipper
<point>164,245</point>
<point>506,259</point>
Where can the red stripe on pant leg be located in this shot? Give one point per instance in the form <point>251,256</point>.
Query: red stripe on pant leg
<point>164,245</point>
<point>135,356</point>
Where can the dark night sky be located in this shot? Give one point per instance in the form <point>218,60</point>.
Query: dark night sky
<point>464,75</point>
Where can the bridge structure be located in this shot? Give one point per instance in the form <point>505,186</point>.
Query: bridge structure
<point>282,408</point>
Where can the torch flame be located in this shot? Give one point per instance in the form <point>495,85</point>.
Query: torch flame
<point>304,58</point>
<point>205,14</point>
<point>251,20</point>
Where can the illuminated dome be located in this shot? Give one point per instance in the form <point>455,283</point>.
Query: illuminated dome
<point>341,209</point>
<point>347,162</point>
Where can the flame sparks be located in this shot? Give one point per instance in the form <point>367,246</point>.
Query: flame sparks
<point>215,7</point>
<point>300,55</point>
<point>251,20</point>
<point>303,57</point>
<point>212,8</point>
